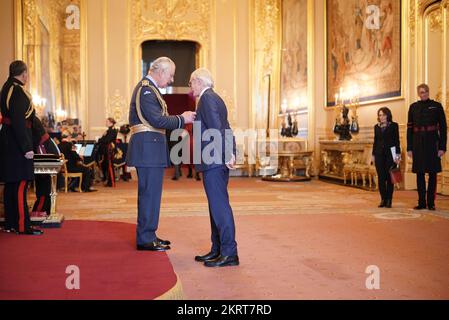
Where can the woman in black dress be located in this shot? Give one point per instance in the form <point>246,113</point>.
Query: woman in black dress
<point>386,136</point>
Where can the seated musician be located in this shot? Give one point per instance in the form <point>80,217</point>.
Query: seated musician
<point>75,165</point>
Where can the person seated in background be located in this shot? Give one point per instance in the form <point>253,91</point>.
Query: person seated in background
<point>106,146</point>
<point>42,144</point>
<point>75,165</point>
<point>66,132</point>
<point>76,134</point>
<point>65,146</point>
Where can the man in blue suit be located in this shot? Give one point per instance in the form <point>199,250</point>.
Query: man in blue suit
<point>217,157</point>
<point>147,150</point>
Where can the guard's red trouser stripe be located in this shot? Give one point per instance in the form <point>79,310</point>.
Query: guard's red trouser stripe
<point>41,204</point>
<point>111,174</point>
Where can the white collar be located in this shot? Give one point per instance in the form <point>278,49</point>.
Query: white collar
<point>151,79</point>
<point>204,90</point>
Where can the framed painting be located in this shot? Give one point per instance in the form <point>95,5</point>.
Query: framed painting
<point>294,56</point>
<point>363,50</point>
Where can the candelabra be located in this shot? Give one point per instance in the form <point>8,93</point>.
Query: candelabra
<point>289,128</point>
<point>345,127</point>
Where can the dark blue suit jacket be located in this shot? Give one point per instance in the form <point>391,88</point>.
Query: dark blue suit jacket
<point>211,113</point>
<point>149,149</point>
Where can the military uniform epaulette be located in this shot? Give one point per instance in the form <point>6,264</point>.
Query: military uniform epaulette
<point>30,108</point>
<point>146,83</point>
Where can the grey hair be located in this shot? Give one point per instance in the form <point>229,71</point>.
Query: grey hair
<point>204,75</point>
<point>161,64</point>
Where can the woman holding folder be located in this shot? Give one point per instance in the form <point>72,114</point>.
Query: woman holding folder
<point>386,152</point>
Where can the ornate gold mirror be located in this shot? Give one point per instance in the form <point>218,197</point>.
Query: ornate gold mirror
<point>49,42</point>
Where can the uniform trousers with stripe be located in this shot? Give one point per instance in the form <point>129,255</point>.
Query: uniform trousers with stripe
<point>108,170</point>
<point>431,188</point>
<point>17,216</point>
<point>43,190</point>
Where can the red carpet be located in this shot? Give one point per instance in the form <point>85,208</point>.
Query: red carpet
<point>34,267</point>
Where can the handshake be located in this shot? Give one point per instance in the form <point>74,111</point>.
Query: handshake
<point>189,117</point>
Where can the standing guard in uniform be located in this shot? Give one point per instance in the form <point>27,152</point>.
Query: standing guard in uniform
<point>426,144</point>
<point>106,150</point>
<point>147,150</point>
<point>16,149</point>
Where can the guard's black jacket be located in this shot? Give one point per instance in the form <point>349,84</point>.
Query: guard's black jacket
<point>426,134</point>
<point>109,136</point>
<point>16,137</point>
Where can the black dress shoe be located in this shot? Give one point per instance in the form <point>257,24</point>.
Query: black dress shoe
<point>420,207</point>
<point>207,257</point>
<point>431,207</point>
<point>163,242</point>
<point>382,204</point>
<point>32,232</point>
<point>152,246</point>
<point>388,203</point>
<point>223,262</point>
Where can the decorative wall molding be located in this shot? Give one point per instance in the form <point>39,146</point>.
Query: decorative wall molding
<point>117,108</point>
<point>171,20</point>
<point>435,19</point>
<point>266,37</point>
<point>412,21</point>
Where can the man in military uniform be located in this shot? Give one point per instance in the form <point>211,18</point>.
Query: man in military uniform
<point>426,144</point>
<point>16,149</point>
<point>147,150</point>
<point>105,142</point>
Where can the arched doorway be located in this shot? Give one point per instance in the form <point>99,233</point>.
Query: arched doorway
<point>183,53</point>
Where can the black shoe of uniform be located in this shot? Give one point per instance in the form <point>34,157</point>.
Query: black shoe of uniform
<point>175,178</point>
<point>382,204</point>
<point>420,207</point>
<point>197,177</point>
<point>388,203</point>
<point>163,242</point>
<point>32,232</point>
<point>223,262</point>
<point>431,207</point>
<point>152,246</point>
<point>207,257</point>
